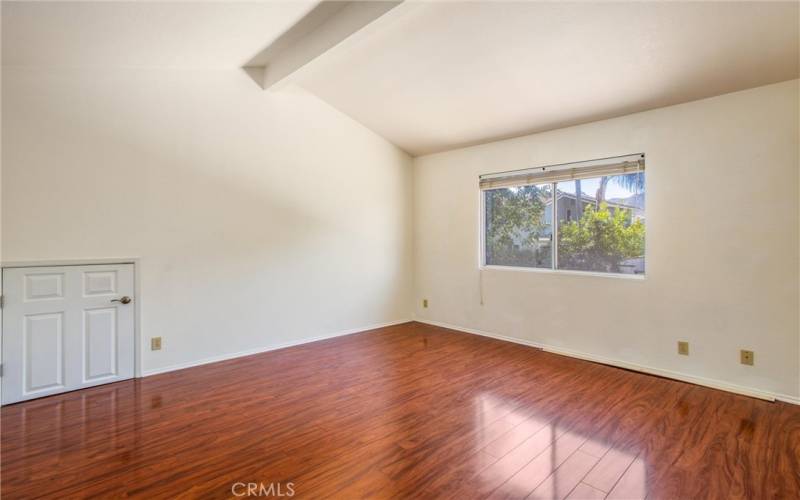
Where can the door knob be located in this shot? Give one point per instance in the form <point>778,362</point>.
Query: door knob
<point>124,300</point>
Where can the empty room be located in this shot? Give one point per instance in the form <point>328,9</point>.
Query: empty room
<point>400,249</point>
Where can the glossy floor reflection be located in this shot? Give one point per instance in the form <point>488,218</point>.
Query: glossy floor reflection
<point>406,411</point>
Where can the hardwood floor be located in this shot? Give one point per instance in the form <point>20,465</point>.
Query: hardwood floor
<point>405,411</point>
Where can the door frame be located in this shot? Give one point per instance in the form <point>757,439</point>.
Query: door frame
<point>137,294</point>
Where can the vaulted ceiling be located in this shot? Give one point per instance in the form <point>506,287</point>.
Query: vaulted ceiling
<point>443,75</point>
<point>431,76</point>
<point>209,35</point>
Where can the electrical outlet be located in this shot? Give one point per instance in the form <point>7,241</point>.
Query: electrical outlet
<point>683,348</point>
<point>747,357</point>
<point>155,344</point>
<point>425,303</point>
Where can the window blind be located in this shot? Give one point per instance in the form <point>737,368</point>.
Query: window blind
<point>619,165</point>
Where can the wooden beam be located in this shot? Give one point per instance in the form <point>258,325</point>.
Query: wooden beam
<point>324,27</point>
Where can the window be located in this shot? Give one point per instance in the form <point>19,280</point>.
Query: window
<point>519,229</point>
<point>586,216</point>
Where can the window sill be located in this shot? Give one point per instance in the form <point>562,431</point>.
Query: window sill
<point>634,277</point>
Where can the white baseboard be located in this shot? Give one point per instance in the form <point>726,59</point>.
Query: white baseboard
<point>683,377</point>
<point>482,333</point>
<point>248,352</point>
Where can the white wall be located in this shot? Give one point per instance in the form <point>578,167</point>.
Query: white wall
<point>260,218</point>
<point>722,243</point>
<point>235,201</point>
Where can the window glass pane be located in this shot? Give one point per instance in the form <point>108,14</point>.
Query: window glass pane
<point>601,224</point>
<point>518,226</point>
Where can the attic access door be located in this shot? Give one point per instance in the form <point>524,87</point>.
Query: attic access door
<point>66,328</point>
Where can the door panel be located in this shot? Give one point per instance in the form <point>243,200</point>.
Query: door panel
<point>100,342</point>
<point>44,286</point>
<point>99,283</point>
<point>43,352</point>
<point>62,331</point>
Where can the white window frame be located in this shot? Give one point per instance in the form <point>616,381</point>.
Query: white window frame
<point>554,269</point>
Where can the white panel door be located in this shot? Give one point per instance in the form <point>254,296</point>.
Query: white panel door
<point>65,328</point>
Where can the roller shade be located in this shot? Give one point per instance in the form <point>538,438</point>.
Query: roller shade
<point>619,165</point>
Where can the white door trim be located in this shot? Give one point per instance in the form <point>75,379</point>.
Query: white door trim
<point>137,290</point>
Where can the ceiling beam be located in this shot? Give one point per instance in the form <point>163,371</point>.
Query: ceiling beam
<point>324,27</point>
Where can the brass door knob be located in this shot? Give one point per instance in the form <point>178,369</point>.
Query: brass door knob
<point>124,300</point>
